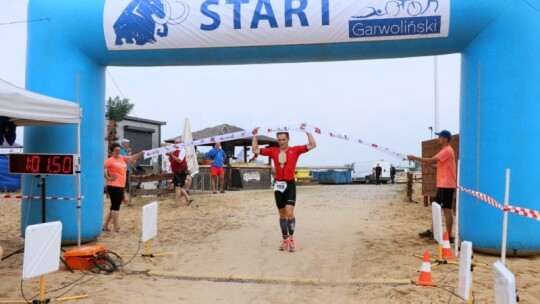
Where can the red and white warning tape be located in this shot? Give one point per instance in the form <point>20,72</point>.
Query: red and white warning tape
<point>533,214</point>
<point>483,197</point>
<point>265,130</point>
<point>34,197</point>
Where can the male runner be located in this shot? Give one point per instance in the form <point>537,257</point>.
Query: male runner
<point>285,159</point>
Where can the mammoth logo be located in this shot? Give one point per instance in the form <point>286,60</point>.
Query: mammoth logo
<point>139,20</point>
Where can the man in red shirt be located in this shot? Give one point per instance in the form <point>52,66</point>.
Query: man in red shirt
<point>285,159</point>
<point>180,172</point>
<point>445,162</point>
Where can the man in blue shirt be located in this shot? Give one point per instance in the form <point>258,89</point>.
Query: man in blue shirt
<point>216,156</point>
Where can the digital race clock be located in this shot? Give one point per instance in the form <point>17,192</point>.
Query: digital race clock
<point>47,164</point>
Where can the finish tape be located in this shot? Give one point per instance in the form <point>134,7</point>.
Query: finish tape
<point>267,130</point>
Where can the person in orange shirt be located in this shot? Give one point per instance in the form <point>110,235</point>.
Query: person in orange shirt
<point>445,162</point>
<point>115,174</point>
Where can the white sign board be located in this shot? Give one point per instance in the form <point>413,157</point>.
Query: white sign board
<point>249,176</point>
<point>465,273</point>
<point>505,284</point>
<point>437,222</point>
<point>149,221</point>
<point>42,249</point>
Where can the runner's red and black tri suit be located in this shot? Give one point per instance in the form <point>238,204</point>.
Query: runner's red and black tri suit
<point>285,189</point>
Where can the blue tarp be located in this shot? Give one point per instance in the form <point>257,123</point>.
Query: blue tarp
<point>8,182</point>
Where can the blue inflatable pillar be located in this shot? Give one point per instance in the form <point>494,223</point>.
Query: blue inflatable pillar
<point>56,66</point>
<point>499,116</point>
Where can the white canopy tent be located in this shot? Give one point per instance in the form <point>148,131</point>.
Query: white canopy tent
<point>26,108</point>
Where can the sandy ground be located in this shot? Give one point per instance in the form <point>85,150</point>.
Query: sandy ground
<point>224,250</point>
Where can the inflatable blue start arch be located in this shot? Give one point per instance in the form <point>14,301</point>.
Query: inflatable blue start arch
<point>499,41</point>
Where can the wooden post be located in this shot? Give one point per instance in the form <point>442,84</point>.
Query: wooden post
<point>409,186</point>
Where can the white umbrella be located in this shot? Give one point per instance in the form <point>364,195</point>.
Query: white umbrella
<point>193,165</point>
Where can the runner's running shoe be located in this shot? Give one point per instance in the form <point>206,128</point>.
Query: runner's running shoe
<point>292,246</point>
<point>284,245</point>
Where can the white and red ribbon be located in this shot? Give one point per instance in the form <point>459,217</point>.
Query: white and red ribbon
<point>37,197</point>
<point>533,214</point>
<point>267,130</point>
<point>483,197</point>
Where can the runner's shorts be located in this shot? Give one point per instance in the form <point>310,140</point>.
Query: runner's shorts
<point>287,197</point>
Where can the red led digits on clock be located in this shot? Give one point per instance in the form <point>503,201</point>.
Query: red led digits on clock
<point>67,162</point>
<point>32,163</point>
<point>55,164</point>
<point>59,164</point>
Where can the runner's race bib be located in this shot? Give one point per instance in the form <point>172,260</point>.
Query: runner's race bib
<point>280,186</point>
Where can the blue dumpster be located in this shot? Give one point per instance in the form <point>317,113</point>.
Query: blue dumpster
<point>335,177</point>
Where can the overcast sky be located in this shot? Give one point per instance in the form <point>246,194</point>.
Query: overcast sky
<point>389,102</point>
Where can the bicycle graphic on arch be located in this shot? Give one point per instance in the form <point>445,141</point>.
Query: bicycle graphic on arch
<point>396,7</point>
<point>393,8</point>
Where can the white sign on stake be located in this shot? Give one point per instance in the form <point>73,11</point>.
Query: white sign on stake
<point>437,222</point>
<point>505,284</point>
<point>465,275</point>
<point>149,221</point>
<point>41,249</point>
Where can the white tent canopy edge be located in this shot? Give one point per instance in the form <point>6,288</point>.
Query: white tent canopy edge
<point>27,108</point>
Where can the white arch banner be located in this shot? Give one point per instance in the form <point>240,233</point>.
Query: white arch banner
<point>176,24</point>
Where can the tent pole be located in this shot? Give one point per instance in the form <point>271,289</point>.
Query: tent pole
<point>78,172</point>
<point>78,187</point>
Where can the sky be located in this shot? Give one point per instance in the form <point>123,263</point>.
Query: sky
<point>390,102</point>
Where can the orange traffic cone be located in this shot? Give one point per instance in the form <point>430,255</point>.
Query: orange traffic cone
<point>425,272</point>
<point>446,250</point>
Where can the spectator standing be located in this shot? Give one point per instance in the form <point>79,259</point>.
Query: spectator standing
<point>378,172</point>
<point>392,174</point>
<point>216,156</point>
<point>445,162</point>
<point>284,158</point>
<point>115,174</point>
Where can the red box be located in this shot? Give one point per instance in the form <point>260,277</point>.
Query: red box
<point>82,258</point>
